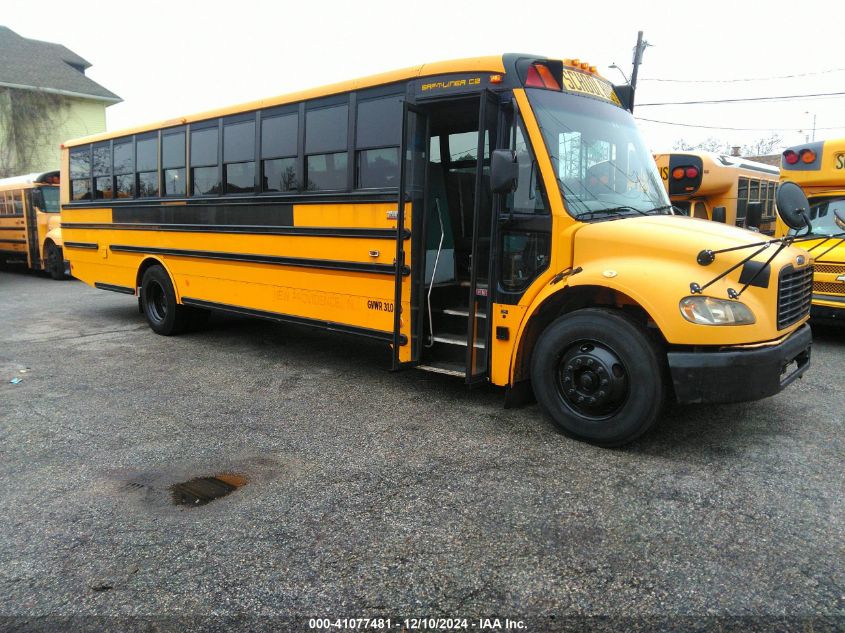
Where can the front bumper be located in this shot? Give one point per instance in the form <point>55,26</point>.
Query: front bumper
<point>827,307</point>
<point>739,375</point>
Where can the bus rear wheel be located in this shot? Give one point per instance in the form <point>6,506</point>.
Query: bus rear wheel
<point>159,305</point>
<point>599,377</point>
<point>54,263</point>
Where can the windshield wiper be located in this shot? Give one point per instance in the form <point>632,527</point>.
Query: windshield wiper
<point>619,211</point>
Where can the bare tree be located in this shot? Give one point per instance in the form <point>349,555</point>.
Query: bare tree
<point>28,119</point>
<point>760,147</point>
<point>763,146</point>
<point>710,144</point>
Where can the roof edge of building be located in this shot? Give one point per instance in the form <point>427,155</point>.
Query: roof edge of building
<point>64,93</point>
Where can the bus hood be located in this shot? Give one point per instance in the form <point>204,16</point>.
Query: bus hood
<point>653,260</point>
<point>664,238</point>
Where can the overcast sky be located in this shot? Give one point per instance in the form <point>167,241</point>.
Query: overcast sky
<point>172,58</point>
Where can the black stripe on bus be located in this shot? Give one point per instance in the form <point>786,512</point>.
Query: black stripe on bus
<point>331,326</point>
<point>302,262</point>
<point>89,245</point>
<point>16,253</point>
<point>121,289</point>
<point>307,231</point>
<point>265,199</point>
<point>206,214</point>
<point>12,228</point>
<point>11,241</point>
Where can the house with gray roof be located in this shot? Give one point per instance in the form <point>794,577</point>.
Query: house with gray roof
<point>45,98</point>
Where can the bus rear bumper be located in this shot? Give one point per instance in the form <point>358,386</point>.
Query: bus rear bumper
<point>740,375</point>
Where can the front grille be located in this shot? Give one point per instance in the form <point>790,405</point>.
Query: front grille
<point>829,288</point>
<point>795,292</point>
<point>830,268</point>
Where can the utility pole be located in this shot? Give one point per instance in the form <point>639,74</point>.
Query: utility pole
<point>638,59</point>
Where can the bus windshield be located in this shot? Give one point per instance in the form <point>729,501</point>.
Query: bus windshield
<point>51,199</point>
<point>601,162</point>
<point>823,217</point>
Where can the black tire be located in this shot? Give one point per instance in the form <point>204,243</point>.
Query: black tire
<point>158,302</point>
<point>54,263</point>
<point>599,376</point>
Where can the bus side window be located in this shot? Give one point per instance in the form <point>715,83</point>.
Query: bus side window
<point>741,201</point>
<point>528,197</point>
<point>525,253</point>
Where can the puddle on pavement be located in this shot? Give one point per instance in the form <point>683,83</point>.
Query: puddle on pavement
<point>202,490</point>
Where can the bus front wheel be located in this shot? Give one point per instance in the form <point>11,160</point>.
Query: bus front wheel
<point>598,376</point>
<point>158,302</point>
<point>54,263</point>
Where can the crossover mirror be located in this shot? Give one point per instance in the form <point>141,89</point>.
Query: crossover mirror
<point>793,206</point>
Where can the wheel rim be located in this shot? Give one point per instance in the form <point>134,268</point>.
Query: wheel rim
<point>592,380</point>
<point>156,301</point>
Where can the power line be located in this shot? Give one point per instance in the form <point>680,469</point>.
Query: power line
<point>740,129</point>
<point>731,81</point>
<point>744,99</point>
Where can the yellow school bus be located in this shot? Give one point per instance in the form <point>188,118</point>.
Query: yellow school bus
<point>819,169</point>
<point>30,230</point>
<point>498,219</point>
<point>711,186</point>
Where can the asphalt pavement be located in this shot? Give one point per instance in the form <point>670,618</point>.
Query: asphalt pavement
<point>374,494</point>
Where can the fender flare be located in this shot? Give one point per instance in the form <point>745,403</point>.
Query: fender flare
<point>553,293</point>
<point>152,260</point>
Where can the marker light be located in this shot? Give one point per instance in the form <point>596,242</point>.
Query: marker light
<point>808,156</point>
<point>495,79</point>
<point>790,157</point>
<point>678,173</point>
<point>711,311</point>
<point>691,172</point>
<point>540,76</point>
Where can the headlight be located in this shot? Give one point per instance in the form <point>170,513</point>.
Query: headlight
<point>710,311</point>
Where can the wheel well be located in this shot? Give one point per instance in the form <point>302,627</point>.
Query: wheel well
<point>147,263</point>
<point>569,300</point>
<point>48,242</point>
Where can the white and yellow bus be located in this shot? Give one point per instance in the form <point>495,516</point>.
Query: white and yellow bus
<point>819,169</point>
<point>30,231</point>
<point>499,219</point>
<point>715,187</point>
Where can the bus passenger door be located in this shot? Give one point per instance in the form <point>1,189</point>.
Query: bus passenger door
<point>413,157</point>
<point>31,199</point>
<point>482,287</point>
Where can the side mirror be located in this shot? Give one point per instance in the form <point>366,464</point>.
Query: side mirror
<point>792,205</point>
<point>720,214</point>
<point>754,216</point>
<point>504,171</point>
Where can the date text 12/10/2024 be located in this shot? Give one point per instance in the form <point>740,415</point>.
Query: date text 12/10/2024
<point>417,624</point>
